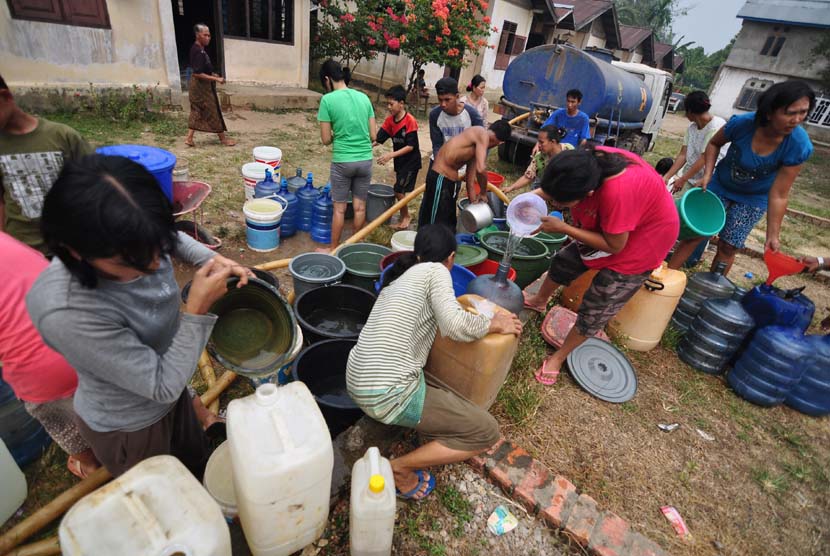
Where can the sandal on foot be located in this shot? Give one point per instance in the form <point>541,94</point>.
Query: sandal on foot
<point>74,466</point>
<point>544,376</point>
<point>415,493</point>
<point>537,308</point>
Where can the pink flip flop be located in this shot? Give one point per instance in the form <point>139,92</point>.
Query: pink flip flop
<point>543,376</point>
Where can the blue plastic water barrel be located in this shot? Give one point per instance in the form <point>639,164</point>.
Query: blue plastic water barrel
<point>23,435</point>
<point>306,196</point>
<point>771,366</point>
<point>267,187</point>
<point>321,215</point>
<point>461,278</point>
<point>812,393</point>
<point>158,162</point>
<point>771,306</point>
<point>288,226</point>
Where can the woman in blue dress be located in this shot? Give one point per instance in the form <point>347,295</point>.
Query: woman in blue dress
<point>768,148</point>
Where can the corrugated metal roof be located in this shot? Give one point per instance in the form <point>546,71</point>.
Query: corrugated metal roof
<point>631,37</point>
<point>585,11</point>
<point>809,13</point>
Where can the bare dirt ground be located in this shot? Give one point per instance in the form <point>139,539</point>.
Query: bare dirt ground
<point>761,487</point>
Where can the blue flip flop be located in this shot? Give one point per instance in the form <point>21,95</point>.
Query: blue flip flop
<point>411,495</point>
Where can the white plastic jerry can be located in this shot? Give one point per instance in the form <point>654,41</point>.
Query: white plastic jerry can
<point>372,508</point>
<point>157,508</point>
<point>12,484</point>
<point>282,461</point>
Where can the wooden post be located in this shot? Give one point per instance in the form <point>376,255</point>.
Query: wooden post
<point>51,511</point>
<point>46,547</point>
<point>220,386</point>
<point>209,376</point>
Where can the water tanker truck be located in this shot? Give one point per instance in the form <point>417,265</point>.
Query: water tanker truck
<point>625,101</point>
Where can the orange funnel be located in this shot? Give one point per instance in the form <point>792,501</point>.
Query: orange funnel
<point>779,264</point>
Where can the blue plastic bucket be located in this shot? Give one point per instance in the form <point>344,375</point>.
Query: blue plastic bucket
<point>461,278</point>
<point>158,162</point>
<point>262,224</point>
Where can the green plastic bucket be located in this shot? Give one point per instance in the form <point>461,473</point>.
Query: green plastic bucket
<point>553,241</point>
<point>701,214</point>
<point>362,262</point>
<point>530,261</point>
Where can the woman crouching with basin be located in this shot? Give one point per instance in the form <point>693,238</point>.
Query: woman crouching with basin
<point>625,224</point>
<point>385,375</point>
<point>109,303</point>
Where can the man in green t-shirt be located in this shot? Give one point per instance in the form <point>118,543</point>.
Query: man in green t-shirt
<point>32,153</point>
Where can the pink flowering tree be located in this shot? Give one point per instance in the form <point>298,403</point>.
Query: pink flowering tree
<point>444,32</point>
<point>351,32</point>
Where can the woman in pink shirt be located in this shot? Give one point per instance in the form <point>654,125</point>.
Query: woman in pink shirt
<point>625,223</point>
<point>39,376</point>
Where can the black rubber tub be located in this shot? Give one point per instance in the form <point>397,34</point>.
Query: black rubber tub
<point>322,367</point>
<point>333,312</point>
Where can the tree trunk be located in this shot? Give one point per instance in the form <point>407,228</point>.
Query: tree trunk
<point>382,72</point>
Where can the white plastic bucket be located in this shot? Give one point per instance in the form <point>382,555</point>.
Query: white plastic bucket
<point>403,240</point>
<point>271,156</point>
<point>253,172</point>
<point>218,481</point>
<point>262,223</point>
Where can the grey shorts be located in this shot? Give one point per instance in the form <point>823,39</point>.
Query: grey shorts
<point>609,290</point>
<point>353,177</point>
<point>58,418</point>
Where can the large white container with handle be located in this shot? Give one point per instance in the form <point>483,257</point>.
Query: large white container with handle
<point>12,484</point>
<point>282,461</point>
<point>157,508</point>
<point>372,509</point>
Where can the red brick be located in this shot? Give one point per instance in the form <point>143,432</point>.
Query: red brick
<point>558,503</point>
<point>501,477</point>
<point>536,478</point>
<point>638,545</point>
<point>477,463</point>
<point>609,536</point>
<point>511,466</point>
<point>582,520</point>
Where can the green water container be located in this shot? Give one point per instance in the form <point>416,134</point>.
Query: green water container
<point>701,214</point>
<point>530,260</point>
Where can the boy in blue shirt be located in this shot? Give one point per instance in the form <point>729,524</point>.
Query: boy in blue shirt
<point>402,127</point>
<point>575,121</point>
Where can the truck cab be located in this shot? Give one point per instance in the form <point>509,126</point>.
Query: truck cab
<point>659,82</point>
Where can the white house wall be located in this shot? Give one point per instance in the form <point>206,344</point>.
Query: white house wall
<point>252,61</point>
<point>503,11</point>
<point>138,49</point>
<point>746,52</point>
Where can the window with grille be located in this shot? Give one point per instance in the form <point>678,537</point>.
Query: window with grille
<point>263,20</point>
<point>510,44</point>
<point>84,13</point>
<point>773,44</point>
<point>752,89</point>
<point>821,113</point>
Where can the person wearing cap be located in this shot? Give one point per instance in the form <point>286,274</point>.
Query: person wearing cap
<point>451,117</point>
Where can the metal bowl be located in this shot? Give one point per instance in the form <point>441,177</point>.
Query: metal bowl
<point>476,216</point>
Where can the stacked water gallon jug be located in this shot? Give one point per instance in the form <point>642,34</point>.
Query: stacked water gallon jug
<point>700,287</point>
<point>321,215</point>
<point>267,188</point>
<point>715,335</point>
<point>811,395</point>
<point>288,226</point>
<point>306,196</point>
<point>296,181</point>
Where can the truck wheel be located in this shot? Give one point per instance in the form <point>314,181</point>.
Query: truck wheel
<point>515,153</point>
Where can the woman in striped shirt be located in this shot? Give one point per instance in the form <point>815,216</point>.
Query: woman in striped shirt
<point>385,374</point>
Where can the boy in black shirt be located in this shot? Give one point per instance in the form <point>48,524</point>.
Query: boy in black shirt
<point>402,127</point>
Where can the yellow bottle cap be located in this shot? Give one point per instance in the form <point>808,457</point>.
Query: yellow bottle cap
<point>376,483</point>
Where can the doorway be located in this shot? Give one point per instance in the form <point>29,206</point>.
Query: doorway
<point>186,14</point>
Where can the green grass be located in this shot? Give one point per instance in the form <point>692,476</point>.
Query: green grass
<point>671,338</point>
<point>458,506</point>
<point>769,481</point>
<point>520,397</point>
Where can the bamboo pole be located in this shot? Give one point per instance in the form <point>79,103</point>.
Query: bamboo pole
<point>519,118</point>
<point>209,376</point>
<point>46,547</point>
<point>54,509</point>
<point>220,386</point>
<point>499,193</point>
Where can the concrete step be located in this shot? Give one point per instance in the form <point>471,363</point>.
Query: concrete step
<point>264,97</point>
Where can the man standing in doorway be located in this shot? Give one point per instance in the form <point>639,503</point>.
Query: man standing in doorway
<point>574,120</point>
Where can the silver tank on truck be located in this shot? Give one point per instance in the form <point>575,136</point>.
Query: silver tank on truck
<point>625,102</point>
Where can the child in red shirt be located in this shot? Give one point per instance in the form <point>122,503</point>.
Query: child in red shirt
<point>402,127</point>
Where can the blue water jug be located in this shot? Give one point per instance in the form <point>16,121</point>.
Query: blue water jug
<point>770,306</point>
<point>321,217</point>
<point>812,393</point>
<point>771,366</point>
<point>296,181</point>
<point>306,196</point>
<point>288,224</point>
<point>267,187</point>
